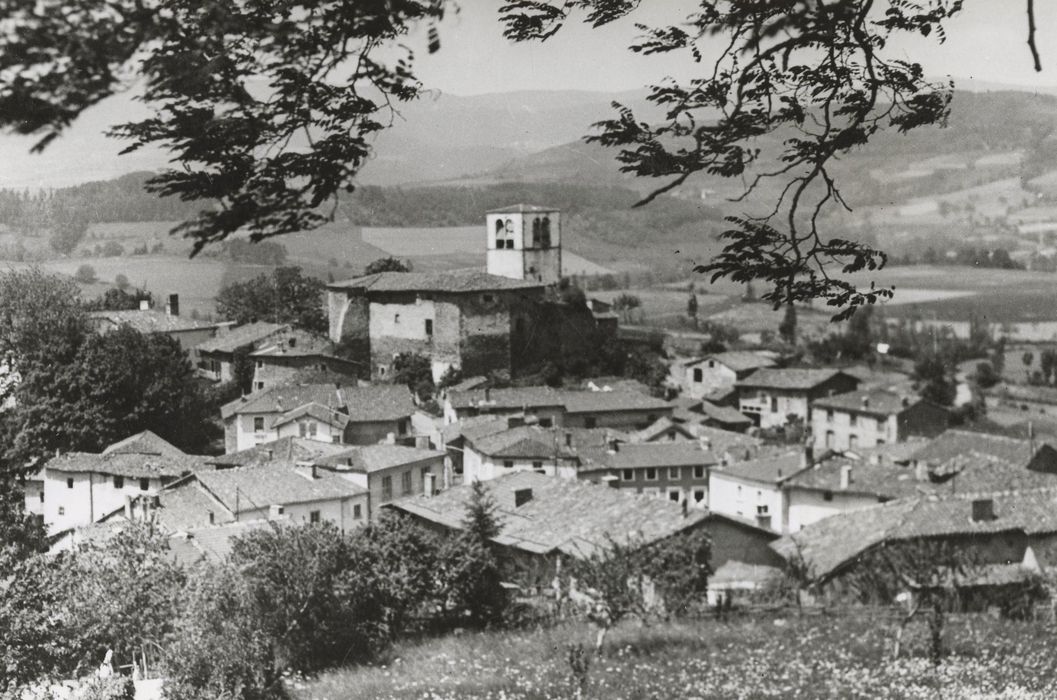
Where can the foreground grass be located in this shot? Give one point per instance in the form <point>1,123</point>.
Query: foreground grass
<point>781,658</point>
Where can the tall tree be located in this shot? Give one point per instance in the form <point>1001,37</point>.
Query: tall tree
<point>787,328</point>
<point>284,296</point>
<point>389,264</point>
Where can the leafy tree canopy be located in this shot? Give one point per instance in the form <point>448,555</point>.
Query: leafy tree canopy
<point>268,112</point>
<point>389,264</point>
<point>284,296</point>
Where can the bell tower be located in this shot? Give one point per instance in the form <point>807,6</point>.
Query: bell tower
<point>525,243</point>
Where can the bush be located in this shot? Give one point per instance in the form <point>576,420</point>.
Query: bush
<point>85,274</point>
<point>112,688</point>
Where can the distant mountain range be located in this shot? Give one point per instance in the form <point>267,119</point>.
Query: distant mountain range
<point>534,136</point>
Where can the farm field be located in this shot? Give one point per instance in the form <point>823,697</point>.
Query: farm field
<point>789,658</point>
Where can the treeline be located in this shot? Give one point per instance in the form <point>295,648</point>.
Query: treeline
<point>120,199</point>
<point>968,256</point>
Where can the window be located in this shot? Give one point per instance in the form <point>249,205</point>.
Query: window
<point>827,496</point>
<point>336,439</point>
<point>590,422</point>
<point>429,326</point>
<point>699,471</point>
<point>546,422</point>
<point>260,364</point>
<point>651,474</point>
<point>312,428</point>
<point>673,472</point>
<point>628,475</point>
<point>302,429</point>
<point>699,495</point>
<point>69,483</point>
<point>260,385</point>
<point>119,482</point>
<point>508,463</point>
<point>538,466</point>
<point>313,517</point>
<point>212,518</point>
<point>258,424</point>
<point>651,417</point>
<point>774,404</point>
<point>699,375</point>
<point>405,482</point>
<point>853,420</point>
<point>387,488</point>
<point>763,510</point>
<point>396,318</point>
<point>487,298</point>
<point>853,442</point>
<point>42,496</point>
<point>62,511</point>
<point>829,439</point>
<point>829,415</point>
<point>711,364</point>
<point>144,484</point>
<point>357,511</point>
<point>675,495</point>
<point>382,370</point>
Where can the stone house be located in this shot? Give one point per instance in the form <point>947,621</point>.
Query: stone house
<point>700,377</point>
<point>78,488</point>
<point>216,356</point>
<point>387,472</point>
<point>186,331</point>
<point>291,353</point>
<point>772,396</point>
<point>368,414</point>
<point>865,419</point>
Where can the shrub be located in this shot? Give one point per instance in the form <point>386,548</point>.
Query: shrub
<point>85,274</point>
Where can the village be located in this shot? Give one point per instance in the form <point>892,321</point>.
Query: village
<point>775,462</point>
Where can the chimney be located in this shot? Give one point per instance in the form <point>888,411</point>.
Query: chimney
<point>521,497</point>
<point>807,457</point>
<point>292,342</point>
<point>390,438</point>
<point>487,394</point>
<point>144,304</point>
<point>614,445</point>
<point>865,401</point>
<point>704,443</point>
<point>983,510</point>
<point>429,484</point>
<point>307,470</point>
<point>172,306</point>
<point>845,476</point>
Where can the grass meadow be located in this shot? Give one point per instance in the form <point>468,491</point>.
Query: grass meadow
<point>790,658</point>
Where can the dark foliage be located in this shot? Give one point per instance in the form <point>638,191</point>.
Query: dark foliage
<point>284,296</point>
<point>389,264</point>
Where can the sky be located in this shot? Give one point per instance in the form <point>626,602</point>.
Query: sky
<point>986,43</point>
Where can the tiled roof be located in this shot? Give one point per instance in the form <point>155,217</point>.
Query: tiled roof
<point>315,410</point>
<point>146,442</point>
<point>573,517</point>
<point>658,428</point>
<point>829,543</point>
<point>371,458</point>
<point>287,450</point>
<point>651,454</point>
<point>573,400</point>
<point>875,402</point>
<point>793,379</point>
<point>981,472</point>
<point>468,384</point>
<point>533,441</point>
<point>241,336</point>
<point>449,282</point>
<point>738,446</point>
<point>873,378</point>
<point>740,361</point>
<point>379,402</point>
<point>186,505</point>
<point>150,321</point>
<point>509,398</point>
<point>295,343</point>
<point>871,477</point>
<point>272,484</point>
<point>522,209</point>
<point>723,414</point>
<point>474,425</point>
<point>952,445</point>
<point>144,455</point>
<point>771,466</point>
<point>215,543</point>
